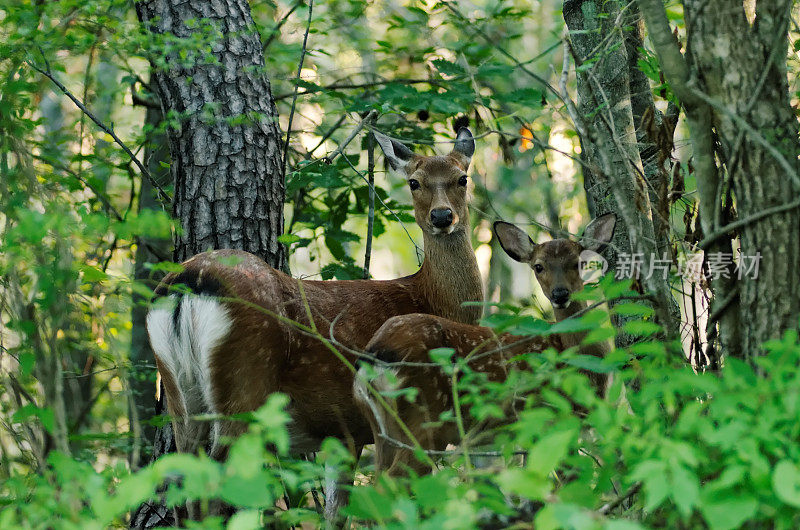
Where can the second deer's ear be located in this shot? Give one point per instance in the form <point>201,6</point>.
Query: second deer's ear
<point>516,243</point>
<point>397,154</point>
<point>599,232</point>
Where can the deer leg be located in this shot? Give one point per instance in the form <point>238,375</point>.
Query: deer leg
<point>337,489</point>
<point>189,434</point>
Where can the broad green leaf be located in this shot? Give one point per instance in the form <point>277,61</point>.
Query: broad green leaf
<point>93,274</point>
<point>531,485</point>
<point>547,453</point>
<point>685,489</point>
<point>729,513</point>
<point>786,482</point>
<point>641,328</point>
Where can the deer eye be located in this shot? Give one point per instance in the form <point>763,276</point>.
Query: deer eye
<point>538,268</point>
<point>413,184</point>
<point>462,181</point>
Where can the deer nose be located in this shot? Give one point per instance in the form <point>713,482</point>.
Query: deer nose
<point>442,217</point>
<point>559,296</point>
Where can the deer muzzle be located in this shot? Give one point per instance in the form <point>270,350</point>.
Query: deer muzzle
<point>441,217</point>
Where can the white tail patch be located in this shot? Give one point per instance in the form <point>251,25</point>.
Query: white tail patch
<point>183,345</point>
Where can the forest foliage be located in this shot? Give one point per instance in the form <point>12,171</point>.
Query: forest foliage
<point>672,445</point>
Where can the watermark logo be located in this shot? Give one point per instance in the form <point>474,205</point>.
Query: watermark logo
<point>592,266</point>
<point>691,266</point>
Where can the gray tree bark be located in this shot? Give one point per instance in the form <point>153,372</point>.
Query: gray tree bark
<point>768,305</point>
<point>225,147</point>
<point>614,176</point>
<point>742,96</point>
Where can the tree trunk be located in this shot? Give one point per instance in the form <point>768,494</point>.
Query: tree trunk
<point>752,114</point>
<point>742,96</point>
<point>141,379</point>
<point>225,151</point>
<point>614,177</point>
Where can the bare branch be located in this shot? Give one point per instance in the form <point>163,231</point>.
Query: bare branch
<point>367,119</point>
<point>294,99</point>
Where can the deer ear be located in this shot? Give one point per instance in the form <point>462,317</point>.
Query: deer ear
<point>517,244</point>
<point>465,143</point>
<point>397,154</point>
<point>599,232</point>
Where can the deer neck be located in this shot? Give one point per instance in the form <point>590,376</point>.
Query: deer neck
<point>449,276</point>
<point>570,339</point>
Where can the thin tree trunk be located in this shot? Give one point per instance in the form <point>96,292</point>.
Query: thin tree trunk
<point>141,378</point>
<point>614,179</point>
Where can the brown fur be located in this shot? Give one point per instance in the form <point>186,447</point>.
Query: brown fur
<point>263,354</point>
<point>409,338</point>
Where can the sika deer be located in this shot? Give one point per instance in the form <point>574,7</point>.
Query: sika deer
<point>409,338</point>
<point>224,348</point>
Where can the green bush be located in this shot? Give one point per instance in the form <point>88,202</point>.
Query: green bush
<point>676,448</point>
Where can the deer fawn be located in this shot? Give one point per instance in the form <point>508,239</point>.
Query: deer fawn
<point>409,338</point>
<point>230,343</point>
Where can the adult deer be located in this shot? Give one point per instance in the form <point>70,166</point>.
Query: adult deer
<point>409,338</point>
<point>230,343</point>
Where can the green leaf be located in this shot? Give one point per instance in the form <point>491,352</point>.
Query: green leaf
<point>26,362</point>
<point>531,485</point>
<point>288,239</point>
<point>651,473</point>
<point>786,482</point>
<point>685,489</point>
<point>599,335</point>
<point>614,289</point>
<point>442,355</point>
<point>45,415</point>
<point>447,67</point>
<point>641,328</point>
<point>92,274</point>
<point>571,325</point>
<point>432,491</point>
<point>245,520</point>
<point>547,453</point>
<point>592,363</point>
<point>367,503</point>
<point>729,513</point>
<point>249,491</point>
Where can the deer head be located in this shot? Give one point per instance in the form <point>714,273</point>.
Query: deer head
<point>555,262</point>
<point>438,183</point>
